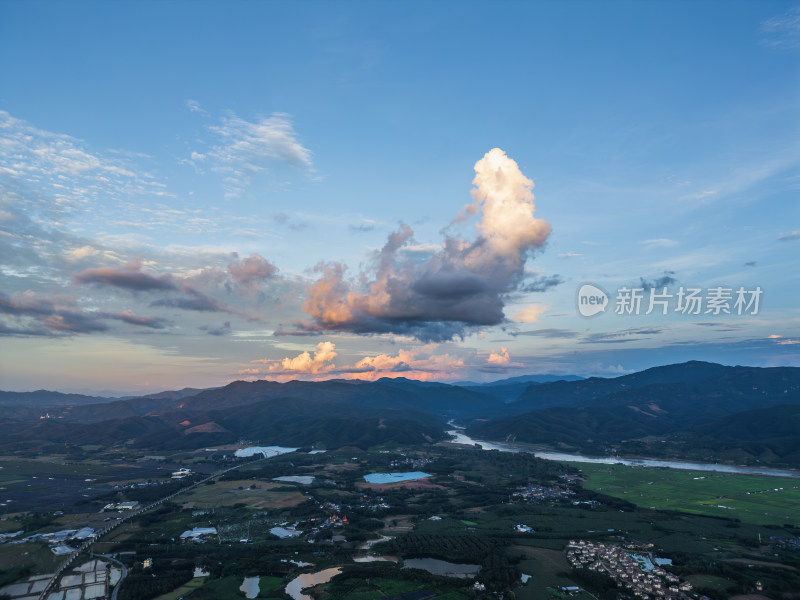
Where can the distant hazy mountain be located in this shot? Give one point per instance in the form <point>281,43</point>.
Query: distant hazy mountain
<point>47,398</point>
<point>567,393</point>
<point>529,379</point>
<point>171,394</point>
<point>508,390</point>
<point>666,402</point>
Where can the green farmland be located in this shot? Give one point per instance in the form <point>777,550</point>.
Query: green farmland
<point>756,499</point>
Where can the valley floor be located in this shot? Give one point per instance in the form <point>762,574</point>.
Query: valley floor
<point>516,525</point>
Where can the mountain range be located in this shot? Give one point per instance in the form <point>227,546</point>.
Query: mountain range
<point>689,410</point>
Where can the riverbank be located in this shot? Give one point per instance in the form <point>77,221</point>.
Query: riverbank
<point>461,438</point>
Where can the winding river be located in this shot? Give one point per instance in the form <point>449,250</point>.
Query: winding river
<point>462,438</point>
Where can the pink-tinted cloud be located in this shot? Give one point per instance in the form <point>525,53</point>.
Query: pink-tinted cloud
<point>499,358</point>
<point>529,314</point>
<point>417,365</point>
<point>251,271</point>
<point>414,364</point>
<point>303,364</point>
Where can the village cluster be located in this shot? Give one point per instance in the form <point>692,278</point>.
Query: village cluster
<point>540,493</point>
<point>408,462</point>
<point>638,574</point>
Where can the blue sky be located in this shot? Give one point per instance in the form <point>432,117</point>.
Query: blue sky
<point>197,192</point>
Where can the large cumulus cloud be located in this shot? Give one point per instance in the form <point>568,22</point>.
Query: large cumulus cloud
<point>462,285</point>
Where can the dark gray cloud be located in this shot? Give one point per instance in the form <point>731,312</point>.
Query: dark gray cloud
<point>299,330</point>
<point>129,317</point>
<point>658,283</point>
<point>130,277</point>
<point>542,283</point>
<point>32,315</point>
<point>620,337</point>
<point>750,263</point>
<point>24,331</point>
<point>193,300</point>
<point>75,322</point>
<point>26,304</point>
<point>284,219</point>
<point>719,326</point>
<point>224,329</point>
<point>449,286</point>
<point>550,332</point>
<point>54,316</point>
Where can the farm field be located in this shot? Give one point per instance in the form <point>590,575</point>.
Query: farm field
<point>51,483</point>
<point>38,558</point>
<point>185,589</point>
<point>543,566</point>
<point>757,499</point>
<point>257,494</point>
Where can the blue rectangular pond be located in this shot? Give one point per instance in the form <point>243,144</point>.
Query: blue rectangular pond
<point>394,477</point>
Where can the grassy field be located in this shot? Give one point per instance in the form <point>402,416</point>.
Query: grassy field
<point>755,499</point>
<point>542,565</point>
<point>267,584</point>
<point>226,587</point>
<point>57,466</point>
<point>375,588</point>
<point>355,588</point>
<point>711,582</point>
<point>186,588</point>
<point>228,493</point>
<point>37,556</point>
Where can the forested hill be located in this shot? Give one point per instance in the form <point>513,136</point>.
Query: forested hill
<point>692,410</point>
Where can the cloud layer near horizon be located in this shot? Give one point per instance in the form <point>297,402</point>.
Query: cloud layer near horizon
<point>462,285</point>
<point>421,364</point>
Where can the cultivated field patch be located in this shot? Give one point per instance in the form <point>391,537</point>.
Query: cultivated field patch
<point>758,499</point>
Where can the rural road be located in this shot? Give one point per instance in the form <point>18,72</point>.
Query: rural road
<point>123,576</point>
